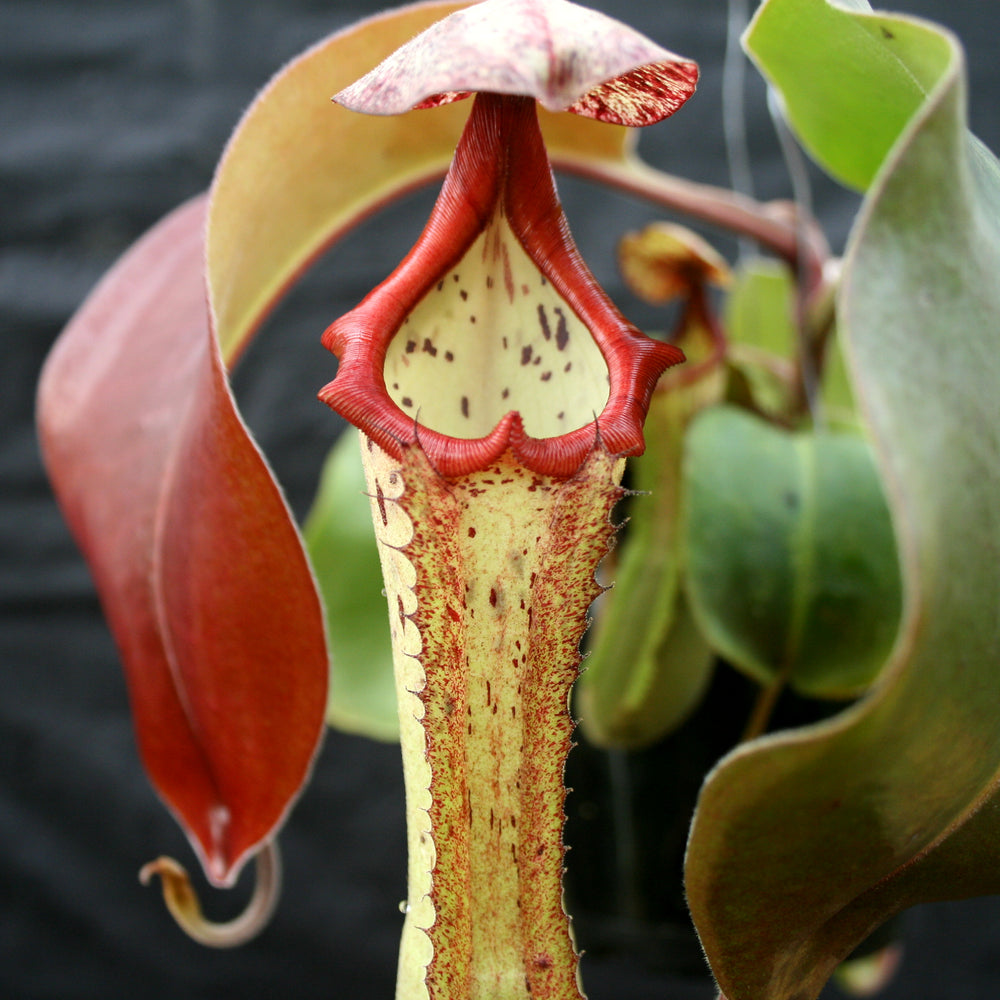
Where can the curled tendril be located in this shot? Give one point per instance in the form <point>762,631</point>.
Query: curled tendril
<point>182,900</point>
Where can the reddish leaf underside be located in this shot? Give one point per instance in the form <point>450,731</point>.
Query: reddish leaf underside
<point>199,566</point>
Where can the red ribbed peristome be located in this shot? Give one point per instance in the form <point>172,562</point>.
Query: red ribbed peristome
<point>500,164</point>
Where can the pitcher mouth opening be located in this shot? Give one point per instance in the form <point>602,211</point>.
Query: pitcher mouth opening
<point>491,337</point>
<point>492,333</point>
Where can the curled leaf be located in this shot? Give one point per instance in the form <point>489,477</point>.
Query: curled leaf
<point>862,92</point>
<point>804,842</point>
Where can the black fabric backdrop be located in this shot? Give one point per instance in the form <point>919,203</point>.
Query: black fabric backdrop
<point>111,112</point>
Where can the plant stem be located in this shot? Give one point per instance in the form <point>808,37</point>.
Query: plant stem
<point>774,226</point>
<point>733,108</point>
<point>767,700</point>
<point>763,709</point>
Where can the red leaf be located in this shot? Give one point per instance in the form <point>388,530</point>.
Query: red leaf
<point>197,560</point>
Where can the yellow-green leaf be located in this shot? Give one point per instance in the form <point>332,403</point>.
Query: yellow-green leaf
<point>849,82</point>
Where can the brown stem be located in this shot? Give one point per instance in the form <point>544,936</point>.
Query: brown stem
<point>767,700</point>
<point>763,709</point>
<point>817,318</point>
<point>772,225</point>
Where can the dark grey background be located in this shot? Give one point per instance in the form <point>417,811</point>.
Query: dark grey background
<point>111,112</point>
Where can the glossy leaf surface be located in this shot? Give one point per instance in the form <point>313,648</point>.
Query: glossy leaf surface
<point>805,841</point>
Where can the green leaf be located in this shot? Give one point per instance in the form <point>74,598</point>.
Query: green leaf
<point>805,841</point>
<point>836,395</point>
<point>341,545</point>
<point>849,82</point>
<point>759,308</point>
<point>791,568</point>
<point>759,320</point>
